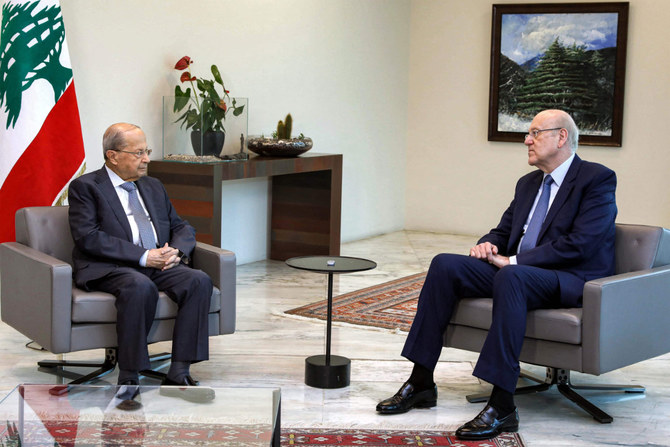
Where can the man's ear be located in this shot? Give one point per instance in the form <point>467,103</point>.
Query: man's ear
<point>111,156</point>
<point>563,137</point>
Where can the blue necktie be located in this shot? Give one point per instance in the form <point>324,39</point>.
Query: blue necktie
<point>147,237</point>
<point>533,230</point>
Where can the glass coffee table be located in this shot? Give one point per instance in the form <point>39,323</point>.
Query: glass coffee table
<point>48,415</point>
<point>329,371</point>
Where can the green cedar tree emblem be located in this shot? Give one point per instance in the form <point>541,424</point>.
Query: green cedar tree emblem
<point>30,48</point>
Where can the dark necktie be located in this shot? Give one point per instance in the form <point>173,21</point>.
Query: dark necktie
<point>533,230</point>
<point>147,237</point>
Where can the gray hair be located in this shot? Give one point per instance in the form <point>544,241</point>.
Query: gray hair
<point>114,138</point>
<point>569,124</point>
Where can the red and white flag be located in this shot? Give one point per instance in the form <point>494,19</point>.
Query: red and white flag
<point>41,145</point>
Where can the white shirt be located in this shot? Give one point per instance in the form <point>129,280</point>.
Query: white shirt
<point>123,197</point>
<point>558,176</point>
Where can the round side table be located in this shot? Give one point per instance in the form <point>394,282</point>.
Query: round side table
<point>329,371</point>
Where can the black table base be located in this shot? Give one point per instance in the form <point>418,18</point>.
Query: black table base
<point>322,374</point>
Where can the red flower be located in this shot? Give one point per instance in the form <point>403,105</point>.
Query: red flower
<point>186,76</point>
<point>222,105</point>
<point>183,63</point>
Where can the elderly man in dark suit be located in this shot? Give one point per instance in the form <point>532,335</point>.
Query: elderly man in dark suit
<point>557,233</point>
<point>130,242</point>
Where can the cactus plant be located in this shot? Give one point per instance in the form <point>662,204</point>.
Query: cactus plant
<point>288,126</point>
<point>284,128</point>
<point>279,134</point>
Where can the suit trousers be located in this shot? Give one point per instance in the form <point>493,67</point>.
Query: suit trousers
<point>136,291</point>
<point>515,289</point>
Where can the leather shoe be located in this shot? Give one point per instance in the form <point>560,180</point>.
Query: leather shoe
<point>187,389</point>
<point>126,393</point>
<point>407,398</point>
<point>487,425</point>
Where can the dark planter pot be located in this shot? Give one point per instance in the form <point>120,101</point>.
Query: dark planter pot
<point>212,142</point>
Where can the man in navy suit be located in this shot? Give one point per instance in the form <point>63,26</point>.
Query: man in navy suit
<point>523,265</point>
<point>130,242</point>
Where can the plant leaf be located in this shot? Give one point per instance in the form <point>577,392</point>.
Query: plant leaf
<point>219,114</point>
<point>207,121</point>
<point>213,95</point>
<point>181,98</point>
<point>192,119</point>
<point>182,118</point>
<point>217,75</point>
<point>238,111</point>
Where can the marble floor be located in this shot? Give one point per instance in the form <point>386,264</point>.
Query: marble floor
<point>268,350</point>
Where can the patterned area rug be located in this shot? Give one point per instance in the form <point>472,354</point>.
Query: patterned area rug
<point>72,434</point>
<point>391,305</point>
<point>340,437</point>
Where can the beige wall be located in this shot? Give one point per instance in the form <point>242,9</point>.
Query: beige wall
<point>457,181</point>
<point>339,66</point>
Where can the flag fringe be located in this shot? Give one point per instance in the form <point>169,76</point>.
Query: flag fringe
<point>61,198</point>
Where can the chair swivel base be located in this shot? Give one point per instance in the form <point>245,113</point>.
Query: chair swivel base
<point>57,367</point>
<point>561,378</point>
<point>318,374</point>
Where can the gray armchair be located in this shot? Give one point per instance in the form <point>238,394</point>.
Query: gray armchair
<point>624,320</point>
<point>39,299</point>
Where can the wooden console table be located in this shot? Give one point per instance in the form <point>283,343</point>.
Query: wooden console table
<point>306,199</point>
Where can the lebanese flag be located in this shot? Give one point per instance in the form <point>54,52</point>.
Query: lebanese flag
<point>41,145</point>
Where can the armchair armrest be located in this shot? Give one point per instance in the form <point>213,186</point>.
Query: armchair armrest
<point>221,266</point>
<point>625,319</point>
<point>36,295</point>
<point>214,261</point>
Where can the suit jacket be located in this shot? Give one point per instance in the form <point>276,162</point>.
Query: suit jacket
<point>577,236</point>
<point>100,228</point>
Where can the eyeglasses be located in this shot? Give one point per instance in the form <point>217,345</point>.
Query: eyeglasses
<point>138,154</point>
<point>534,133</point>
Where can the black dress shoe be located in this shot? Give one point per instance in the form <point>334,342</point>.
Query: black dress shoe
<point>407,398</point>
<point>126,393</point>
<point>487,425</point>
<point>187,389</point>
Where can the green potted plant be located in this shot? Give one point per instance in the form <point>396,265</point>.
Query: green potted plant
<point>205,110</point>
<point>281,144</point>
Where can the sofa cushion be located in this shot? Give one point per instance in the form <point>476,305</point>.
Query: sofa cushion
<point>559,325</point>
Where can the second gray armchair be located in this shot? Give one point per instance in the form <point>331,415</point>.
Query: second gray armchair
<point>624,320</point>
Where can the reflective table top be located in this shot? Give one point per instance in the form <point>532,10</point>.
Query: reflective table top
<point>331,264</point>
<point>145,415</point>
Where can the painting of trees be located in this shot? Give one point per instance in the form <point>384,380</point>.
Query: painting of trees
<point>564,56</point>
<point>566,78</point>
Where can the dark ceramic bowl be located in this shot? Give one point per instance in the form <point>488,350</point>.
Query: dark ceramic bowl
<point>270,147</point>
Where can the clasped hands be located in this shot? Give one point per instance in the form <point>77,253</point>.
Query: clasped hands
<point>163,258</point>
<point>488,252</point>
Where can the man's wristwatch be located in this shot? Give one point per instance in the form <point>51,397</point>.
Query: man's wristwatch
<point>183,258</point>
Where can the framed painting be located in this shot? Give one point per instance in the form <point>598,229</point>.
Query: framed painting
<point>568,56</point>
